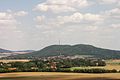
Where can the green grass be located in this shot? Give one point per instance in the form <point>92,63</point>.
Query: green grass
<point>73,68</point>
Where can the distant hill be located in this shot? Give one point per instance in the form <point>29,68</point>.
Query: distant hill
<point>69,50</point>
<point>27,51</point>
<point>4,51</point>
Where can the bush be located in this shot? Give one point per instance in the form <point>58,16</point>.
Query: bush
<point>113,70</point>
<point>64,70</point>
<point>2,70</point>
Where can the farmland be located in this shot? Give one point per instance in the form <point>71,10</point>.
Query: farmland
<point>113,64</point>
<point>18,60</point>
<point>110,64</point>
<point>109,67</point>
<point>58,76</point>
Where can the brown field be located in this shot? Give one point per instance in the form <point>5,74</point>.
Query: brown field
<point>58,76</point>
<point>113,64</point>
<point>117,67</point>
<point>21,60</point>
<point>117,61</point>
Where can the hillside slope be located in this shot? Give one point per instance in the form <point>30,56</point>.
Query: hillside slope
<point>68,50</point>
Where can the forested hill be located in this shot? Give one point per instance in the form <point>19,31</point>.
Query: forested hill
<point>71,50</point>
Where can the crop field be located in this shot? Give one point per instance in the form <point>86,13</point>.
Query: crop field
<point>109,67</point>
<point>58,76</point>
<point>111,64</point>
<point>21,60</point>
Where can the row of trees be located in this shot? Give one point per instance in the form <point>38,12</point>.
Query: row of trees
<point>92,70</point>
<point>80,63</point>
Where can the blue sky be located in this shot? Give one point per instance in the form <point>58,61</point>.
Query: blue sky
<point>34,24</point>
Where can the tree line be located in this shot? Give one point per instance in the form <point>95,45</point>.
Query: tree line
<point>57,65</point>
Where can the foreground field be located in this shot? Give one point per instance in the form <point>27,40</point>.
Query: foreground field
<point>58,76</point>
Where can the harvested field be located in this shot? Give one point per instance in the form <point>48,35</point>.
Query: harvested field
<point>113,62</point>
<point>58,76</point>
<point>21,60</point>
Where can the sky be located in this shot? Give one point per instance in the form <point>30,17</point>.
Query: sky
<point>35,24</point>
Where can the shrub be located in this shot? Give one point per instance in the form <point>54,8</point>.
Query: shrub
<point>64,70</point>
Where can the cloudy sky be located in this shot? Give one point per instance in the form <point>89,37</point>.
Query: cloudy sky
<point>34,24</point>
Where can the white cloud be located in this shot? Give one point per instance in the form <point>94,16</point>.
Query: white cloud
<point>7,20</point>
<point>54,8</point>
<point>58,6</point>
<point>91,28</point>
<point>79,17</point>
<point>87,21</point>
<point>65,25</point>
<point>109,1</point>
<point>119,3</point>
<point>113,13</point>
<point>9,25</point>
<point>76,17</point>
<point>40,19</point>
<point>20,13</point>
<point>93,17</point>
<point>116,26</point>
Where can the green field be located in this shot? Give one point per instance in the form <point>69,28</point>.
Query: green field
<point>58,76</point>
<point>109,67</point>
